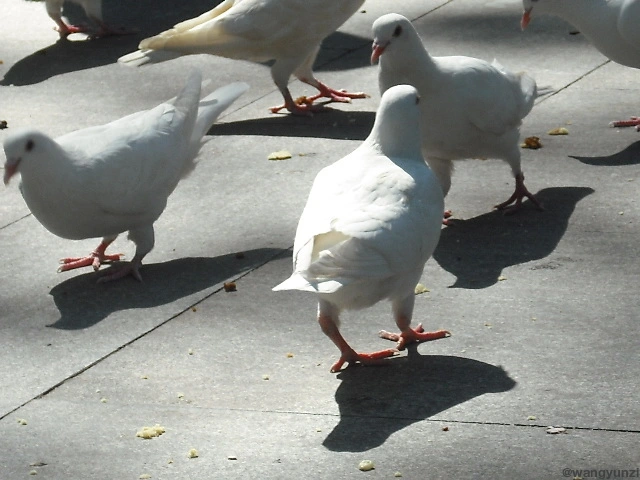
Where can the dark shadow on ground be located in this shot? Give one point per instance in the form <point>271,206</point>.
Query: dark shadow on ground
<point>376,402</point>
<point>335,124</point>
<point>82,302</point>
<point>478,249</point>
<point>628,156</point>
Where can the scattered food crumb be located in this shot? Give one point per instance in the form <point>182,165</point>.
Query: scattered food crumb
<point>556,430</point>
<point>37,464</point>
<point>531,417</point>
<point>532,143</point>
<point>289,355</point>
<point>193,453</point>
<point>621,213</point>
<point>180,395</point>
<point>366,465</point>
<point>190,352</point>
<point>3,124</point>
<point>103,400</point>
<point>558,131</point>
<point>144,377</point>
<point>230,286</point>
<point>318,430</point>
<point>144,476</point>
<point>445,429</point>
<point>194,309</point>
<point>502,278</point>
<point>22,421</point>
<point>487,324</point>
<point>170,461</point>
<point>265,377</point>
<point>397,474</point>
<point>150,432</point>
<point>533,319</point>
<point>420,288</point>
<point>232,457</point>
<point>33,472</point>
<point>281,154</point>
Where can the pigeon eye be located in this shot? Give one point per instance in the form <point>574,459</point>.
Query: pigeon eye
<point>29,146</point>
<point>397,31</point>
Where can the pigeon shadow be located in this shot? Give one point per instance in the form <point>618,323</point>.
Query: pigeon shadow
<point>422,386</point>
<point>82,302</point>
<point>477,250</point>
<point>629,156</point>
<point>66,56</point>
<point>332,124</point>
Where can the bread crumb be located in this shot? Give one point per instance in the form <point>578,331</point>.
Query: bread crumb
<point>366,465</point>
<point>280,155</point>
<point>230,286</point>
<point>151,432</point>
<point>193,453</point>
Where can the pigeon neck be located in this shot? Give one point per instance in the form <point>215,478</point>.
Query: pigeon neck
<point>396,140</point>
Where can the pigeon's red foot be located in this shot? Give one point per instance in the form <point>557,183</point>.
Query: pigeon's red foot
<point>95,259</point>
<point>516,199</point>
<point>301,106</point>
<point>66,30</point>
<point>374,358</point>
<point>445,218</point>
<point>632,122</point>
<point>336,95</point>
<point>413,335</point>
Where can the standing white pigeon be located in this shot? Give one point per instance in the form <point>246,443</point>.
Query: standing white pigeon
<point>371,222</point>
<point>105,180</point>
<point>93,9</point>
<point>287,31</point>
<point>612,26</point>
<point>470,108</point>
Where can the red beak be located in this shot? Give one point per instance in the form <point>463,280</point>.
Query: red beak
<point>526,18</point>
<point>9,171</point>
<point>377,51</point>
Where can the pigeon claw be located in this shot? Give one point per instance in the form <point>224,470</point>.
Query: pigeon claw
<point>121,272</point>
<point>374,358</point>
<point>94,260</point>
<point>632,122</point>
<point>413,335</point>
<point>514,202</point>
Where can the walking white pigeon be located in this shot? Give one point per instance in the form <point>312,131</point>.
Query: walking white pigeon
<point>371,222</point>
<point>93,9</point>
<point>287,31</point>
<point>470,108</point>
<point>612,26</point>
<point>105,180</point>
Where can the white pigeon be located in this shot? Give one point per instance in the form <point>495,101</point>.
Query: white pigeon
<point>371,222</point>
<point>93,9</point>
<point>287,31</point>
<point>470,108</point>
<point>612,26</point>
<point>105,180</point>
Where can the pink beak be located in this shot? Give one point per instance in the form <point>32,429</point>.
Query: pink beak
<point>9,171</point>
<point>377,51</point>
<point>526,18</point>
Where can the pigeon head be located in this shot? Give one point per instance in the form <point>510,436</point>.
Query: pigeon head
<point>390,31</point>
<point>20,147</point>
<point>396,129</point>
<point>540,7</point>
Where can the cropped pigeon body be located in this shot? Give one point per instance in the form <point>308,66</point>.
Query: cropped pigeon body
<point>287,31</point>
<point>371,221</point>
<point>612,26</point>
<point>470,108</point>
<point>105,180</point>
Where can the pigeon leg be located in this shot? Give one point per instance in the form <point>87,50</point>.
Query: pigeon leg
<point>95,259</point>
<point>516,199</point>
<point>333,95</point>
<point>301,106</point>
<point>348,354</point>
<point>632,122</point>
<point>413,335</point>
<point>65,30</point>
